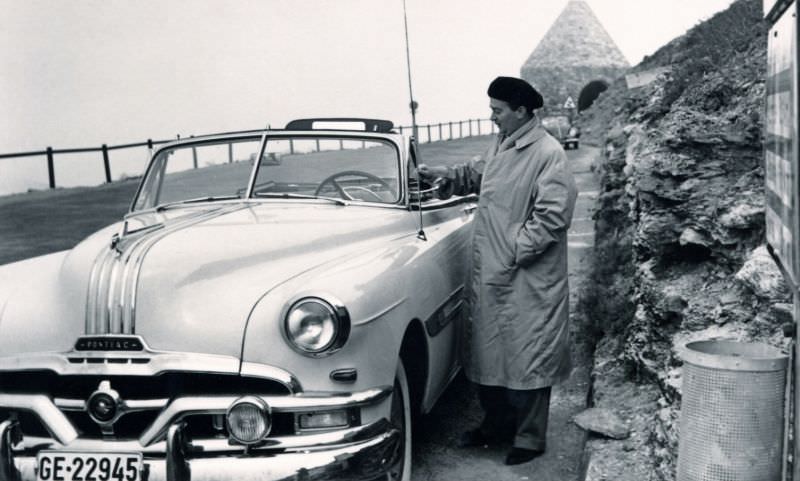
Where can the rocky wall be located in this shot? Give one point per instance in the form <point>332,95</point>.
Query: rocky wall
<point>683,193</point>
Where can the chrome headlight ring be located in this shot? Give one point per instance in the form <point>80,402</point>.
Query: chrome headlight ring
<point>316,327</point>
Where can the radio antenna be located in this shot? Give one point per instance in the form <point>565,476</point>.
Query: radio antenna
<point>412,103</point>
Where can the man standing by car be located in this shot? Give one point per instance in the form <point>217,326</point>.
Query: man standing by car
<point>517,335</point>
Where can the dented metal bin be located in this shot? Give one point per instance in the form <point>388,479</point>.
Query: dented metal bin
<point>731,422</point>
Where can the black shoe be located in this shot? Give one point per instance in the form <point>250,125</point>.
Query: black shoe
<point>473,438</point>
<point>521,455</point>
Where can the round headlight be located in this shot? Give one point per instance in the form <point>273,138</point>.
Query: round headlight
<point>249,420</point>
<point>314,326</point>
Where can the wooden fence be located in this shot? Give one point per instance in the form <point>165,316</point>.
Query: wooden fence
<point>426,133</point>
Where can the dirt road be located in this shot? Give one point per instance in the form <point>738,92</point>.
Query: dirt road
<point>436,457</point>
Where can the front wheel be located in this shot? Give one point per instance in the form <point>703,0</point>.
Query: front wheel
<point>401,420</point>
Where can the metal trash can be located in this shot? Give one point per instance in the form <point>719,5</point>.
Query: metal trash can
<point>731,421</point>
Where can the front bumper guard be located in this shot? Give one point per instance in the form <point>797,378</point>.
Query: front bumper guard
<point>362,452</point>
<point>365,456</point>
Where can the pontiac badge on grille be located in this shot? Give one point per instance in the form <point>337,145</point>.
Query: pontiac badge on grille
<point>109,343</point>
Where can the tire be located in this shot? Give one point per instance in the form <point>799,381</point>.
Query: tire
<point>401,419</point>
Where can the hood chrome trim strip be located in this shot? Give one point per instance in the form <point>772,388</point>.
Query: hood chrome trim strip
<point>111,300</point>
<point>129,298</point>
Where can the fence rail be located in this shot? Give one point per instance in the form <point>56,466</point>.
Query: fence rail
<point>426,133</point>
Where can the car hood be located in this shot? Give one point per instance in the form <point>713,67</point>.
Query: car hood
<point>184,280</point>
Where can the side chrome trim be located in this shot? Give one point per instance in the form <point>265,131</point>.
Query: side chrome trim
<point>445,313</point>
<point>179,408</point>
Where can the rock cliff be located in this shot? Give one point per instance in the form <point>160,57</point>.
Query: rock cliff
<point>680,221</point>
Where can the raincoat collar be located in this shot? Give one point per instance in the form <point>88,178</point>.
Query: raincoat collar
<point>526,134</point>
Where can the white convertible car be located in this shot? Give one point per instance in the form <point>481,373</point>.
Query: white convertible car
<point>271,319</point>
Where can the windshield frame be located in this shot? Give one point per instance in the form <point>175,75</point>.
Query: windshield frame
<point>263,137</point>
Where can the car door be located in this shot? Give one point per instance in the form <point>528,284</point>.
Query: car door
<point>444,242</point>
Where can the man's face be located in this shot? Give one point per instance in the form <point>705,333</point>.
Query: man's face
<point>507,120</point>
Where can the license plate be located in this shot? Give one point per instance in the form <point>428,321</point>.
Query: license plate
<point>74,466</point>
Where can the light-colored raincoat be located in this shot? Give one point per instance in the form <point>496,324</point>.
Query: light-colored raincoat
<point>517,333</point>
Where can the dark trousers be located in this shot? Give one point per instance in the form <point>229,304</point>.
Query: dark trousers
<point>518,415</point>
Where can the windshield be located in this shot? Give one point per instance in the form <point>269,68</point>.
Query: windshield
<point>340,168</point>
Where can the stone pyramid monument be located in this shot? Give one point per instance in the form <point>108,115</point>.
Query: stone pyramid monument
<point>575,60</point>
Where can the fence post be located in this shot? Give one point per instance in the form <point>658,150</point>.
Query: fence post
<point>291,146</point>
<point>440,131</point>
<point>150,147</point>
<point>194,154</point>
<point>341,144</point>
<point>401,130</point>
<point>317,142</point>
<point>479,126</point>
<point>470,128</point>
<point>460,129</point>
<point>429,133</point>
<point>106,163</point>
<point>230,153</point>
<point>450,124</point>
<point>51,173</point>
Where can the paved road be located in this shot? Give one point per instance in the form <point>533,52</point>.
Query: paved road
<point>435,456</point>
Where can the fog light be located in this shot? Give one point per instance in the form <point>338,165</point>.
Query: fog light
<point>331,419</point>
<point>249,420</point>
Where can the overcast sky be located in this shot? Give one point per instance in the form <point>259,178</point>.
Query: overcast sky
<point>85,72</point>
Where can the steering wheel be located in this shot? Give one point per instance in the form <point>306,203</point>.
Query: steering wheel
<point>332,179</point>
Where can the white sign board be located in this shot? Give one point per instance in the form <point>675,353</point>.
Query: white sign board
<point>569,104</point>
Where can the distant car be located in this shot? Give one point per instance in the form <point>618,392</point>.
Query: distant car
<point>560,127</point>
<point>267,320</point>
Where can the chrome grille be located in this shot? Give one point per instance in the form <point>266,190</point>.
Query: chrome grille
<point>73,390</point>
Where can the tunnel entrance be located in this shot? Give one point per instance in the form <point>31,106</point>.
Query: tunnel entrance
<point>590,92</point>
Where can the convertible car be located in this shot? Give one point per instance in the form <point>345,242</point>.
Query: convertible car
<point>276,305</point>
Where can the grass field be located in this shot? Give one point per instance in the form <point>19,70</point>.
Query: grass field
<point>42,222</point>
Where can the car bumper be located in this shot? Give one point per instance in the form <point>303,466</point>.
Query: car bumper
<point>365,453</point>
<point>362,452</point>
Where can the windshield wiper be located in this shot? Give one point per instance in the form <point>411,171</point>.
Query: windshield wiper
<point>290,195</point>
<point>209,198</point>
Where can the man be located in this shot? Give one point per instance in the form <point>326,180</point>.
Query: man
<point>517,334</point>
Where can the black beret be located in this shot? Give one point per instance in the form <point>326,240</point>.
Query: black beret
<point>516,92</point>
